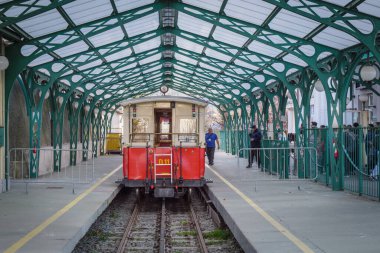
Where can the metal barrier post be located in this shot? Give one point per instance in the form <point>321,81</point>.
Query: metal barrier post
<point>360,161</point>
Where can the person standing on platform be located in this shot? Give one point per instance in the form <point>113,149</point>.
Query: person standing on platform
<point>255,140</point>
<point>211,138</point>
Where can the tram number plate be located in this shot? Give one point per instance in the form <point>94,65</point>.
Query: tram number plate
<point>163,161</point>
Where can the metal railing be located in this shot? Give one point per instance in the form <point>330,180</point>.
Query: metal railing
<point>49,171</point>
<point>360,148</point>
<point>181,137</point>
<point>283,163</point>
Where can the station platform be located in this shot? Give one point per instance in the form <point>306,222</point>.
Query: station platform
<point>50,218</point>
<point>293,216</point>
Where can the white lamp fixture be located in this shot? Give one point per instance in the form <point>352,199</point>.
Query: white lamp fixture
<point>60,100</point>
<point>87,108</point>
<point>46,95</point>
<point>363,98</point>
<point>319,86</point>
<point>4,63</point>
<point>96,111</point>
<point>75,105</point>
<point>164,89</point>
<point>103,113</point>
<point>368,72</point>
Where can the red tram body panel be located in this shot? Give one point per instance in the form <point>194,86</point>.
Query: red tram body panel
<point>165,169</point>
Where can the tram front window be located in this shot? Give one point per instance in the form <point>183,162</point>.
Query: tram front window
<point>163,120</point>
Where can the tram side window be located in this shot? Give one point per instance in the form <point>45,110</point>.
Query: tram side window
<point>188,130</point>
<point>140,130</point>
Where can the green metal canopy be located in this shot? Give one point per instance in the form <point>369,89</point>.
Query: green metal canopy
<point>95,54</point>
<point>112,50</point>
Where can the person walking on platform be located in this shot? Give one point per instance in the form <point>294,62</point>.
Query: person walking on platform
<point>211,138</point>
<point>255,140</point>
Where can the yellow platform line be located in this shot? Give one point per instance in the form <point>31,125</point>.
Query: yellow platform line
<point>20,243</point>
<point>294,239</point>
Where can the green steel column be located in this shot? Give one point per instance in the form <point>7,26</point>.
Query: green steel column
<point>59,102</point>
<point>102,131</point>
<point>75,111</point>
<point>95,132</point>
<point>37,87</point>
<point>86,121</point>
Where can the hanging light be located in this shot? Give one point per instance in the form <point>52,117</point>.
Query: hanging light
<point>60,100</point>
<point>103,113</point>
<point>87,108</point>
<point>4,63</point>
<point>319,86</point>
<point>368,72</point>
<point>75,105</point>
<point>96,111</point>
<point>363,98</point>
<point>46,95</point>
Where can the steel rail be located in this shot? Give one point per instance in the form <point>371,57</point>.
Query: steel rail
<point>163,227</point>
<point>128,229</point>
<point>201,239</point>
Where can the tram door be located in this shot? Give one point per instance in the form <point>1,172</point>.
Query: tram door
<point>163,127</point>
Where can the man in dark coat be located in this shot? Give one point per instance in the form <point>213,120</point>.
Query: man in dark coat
<point>255,141</point>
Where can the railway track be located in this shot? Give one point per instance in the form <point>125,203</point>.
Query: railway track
<point>146,224</point>
<point>173,227</point>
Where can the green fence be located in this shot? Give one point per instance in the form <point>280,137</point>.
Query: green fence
<point>275,157</point>
<point>360,151</point>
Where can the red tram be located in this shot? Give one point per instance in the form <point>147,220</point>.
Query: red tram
<point>163,151</point>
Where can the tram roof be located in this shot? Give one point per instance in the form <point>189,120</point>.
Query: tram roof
<point>164,99</point>
<point>222,50</point>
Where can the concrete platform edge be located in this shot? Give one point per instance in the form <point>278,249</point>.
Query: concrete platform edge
<point>236,231</point>
<point>69,247</point>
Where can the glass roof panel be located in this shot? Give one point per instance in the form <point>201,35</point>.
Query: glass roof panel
<point>41,60</point>
<point>91,64</point>
<point>189,45</point>
<point>217,55</point>
<point>243,10</point>
<point>42,24</point>
<point>129,66</point>
<point>185,59</point>
<point>107,37</point>
<point>320,11</point>
<point>83,11</point>
<point>119,55</point>
<point>150,59</point>
<point>246,65</point>
<point>142,25</point>
<point>123,5</point>
<point>294,59</point>
<point>211,5</point>
<point>152,69</point>
<point>292,23</point>
<point>74,48</point>
<point>338,2</point>
<point>371,7</point>
<point>182,69</point>
<point>229,37</point>
<point>263,49</point>
<point>147,45</point>
<point>193,25</point>
<point>206,66</point>
<point>335,38</point>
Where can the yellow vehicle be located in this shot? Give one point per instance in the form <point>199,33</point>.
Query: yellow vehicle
<point>113,143</point>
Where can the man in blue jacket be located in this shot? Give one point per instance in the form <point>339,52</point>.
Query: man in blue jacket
<point>255,140</point>
<point>211,138</point>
